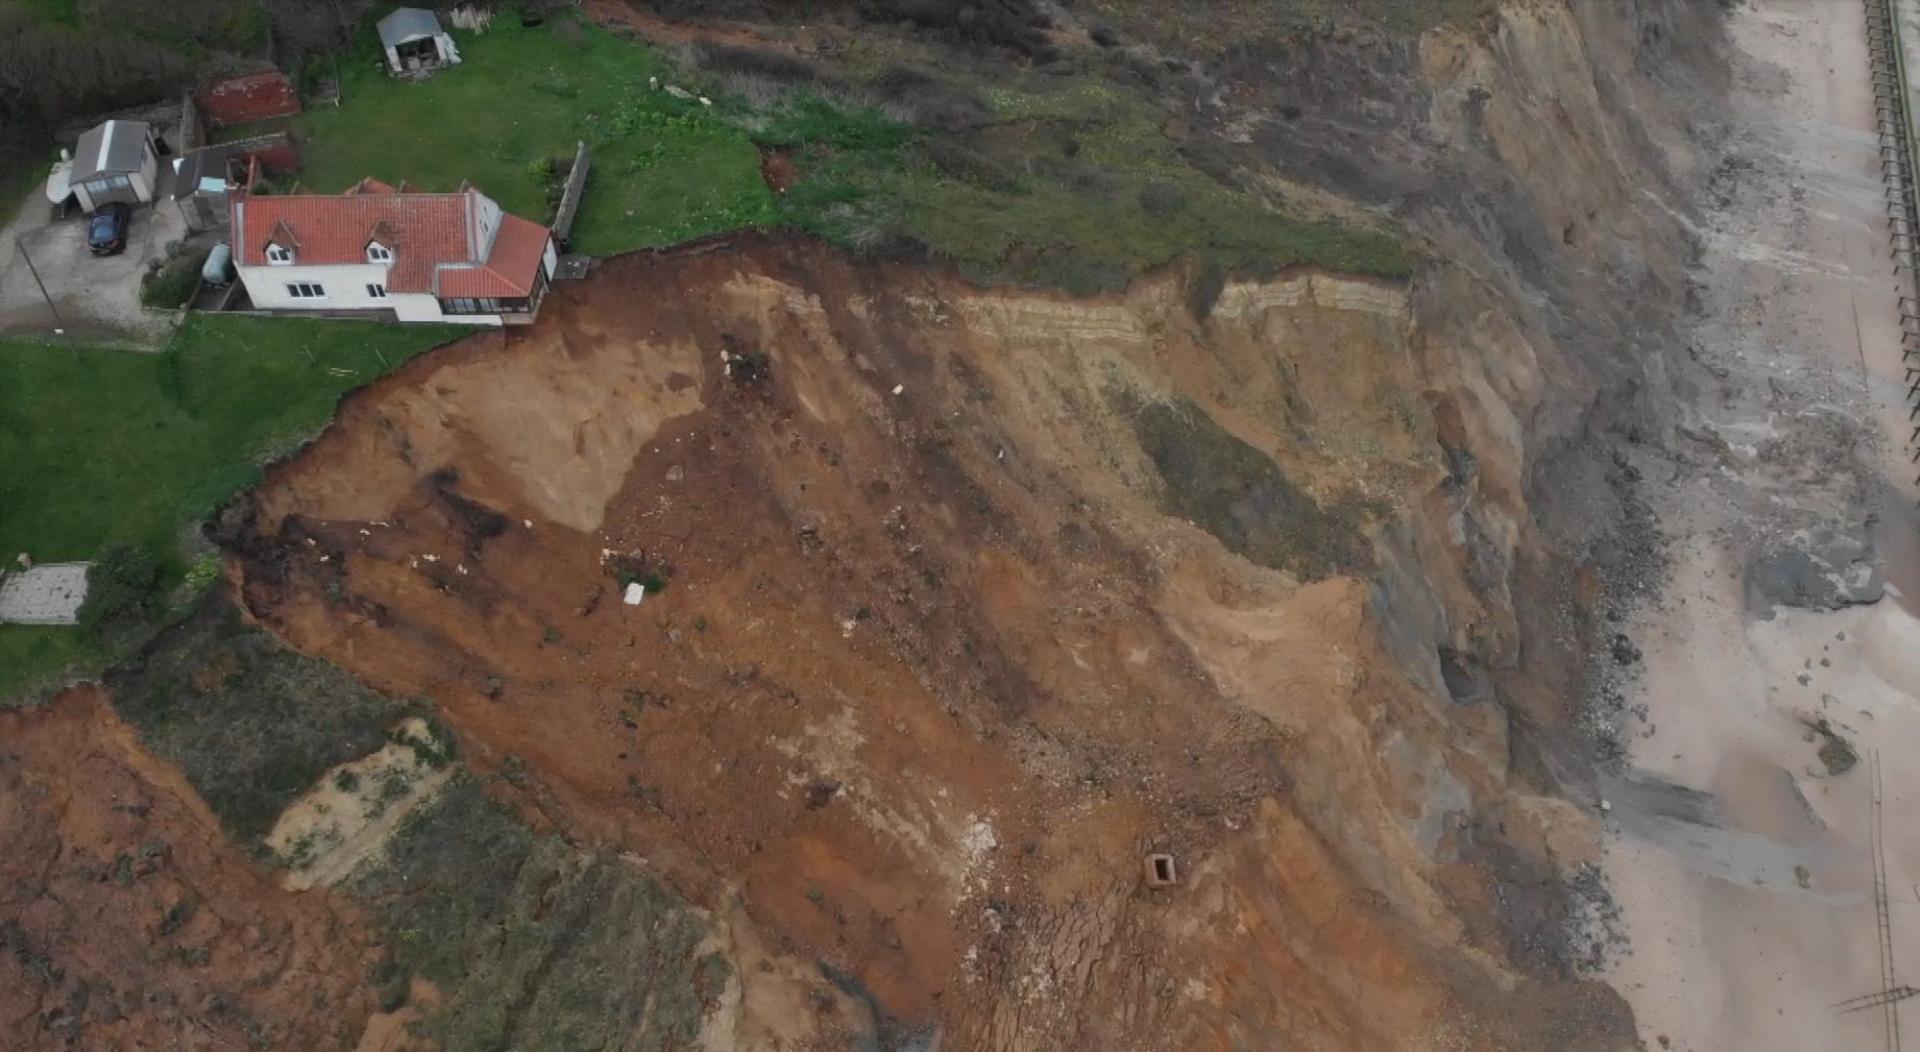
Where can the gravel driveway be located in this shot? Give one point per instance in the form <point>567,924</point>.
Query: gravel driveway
<point>97,298</point>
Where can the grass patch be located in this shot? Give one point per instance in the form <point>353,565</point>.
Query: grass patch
<point>1074,187</point>
<point>99,445</point>
<point>536,945</point>
<point>58,12</point>
<point>664,169</point>
<point>1035,181</point>
<point>251,723</point>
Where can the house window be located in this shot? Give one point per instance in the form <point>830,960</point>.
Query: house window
<point>378,253</point>
<point>279,254</point>
<point>306,290</point>
<point>376,292</point>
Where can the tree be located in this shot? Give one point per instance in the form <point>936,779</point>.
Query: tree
<point>120,590</point>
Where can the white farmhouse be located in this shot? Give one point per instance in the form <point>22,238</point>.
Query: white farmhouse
<point>392,253</point>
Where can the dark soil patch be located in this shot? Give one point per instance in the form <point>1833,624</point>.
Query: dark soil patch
<point>1238,494</point>
<point>251,723</point>
<point>537,945</point>
<point>776,167</point>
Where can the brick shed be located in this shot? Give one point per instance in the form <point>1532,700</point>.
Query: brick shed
<point>248,99</point>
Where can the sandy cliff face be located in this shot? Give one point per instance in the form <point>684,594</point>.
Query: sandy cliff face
<point>972,602</point>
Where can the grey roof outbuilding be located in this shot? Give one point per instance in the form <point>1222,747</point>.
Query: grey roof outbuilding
<point>208,162</point>
<point>408,23</point>
<point>115,148</point>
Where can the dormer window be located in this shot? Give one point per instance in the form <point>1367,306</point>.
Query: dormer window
<point>277,253</point>
<point>378,253</point>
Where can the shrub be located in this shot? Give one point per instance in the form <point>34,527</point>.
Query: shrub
<point>1159,198</point>
<point>120,587</point>
<point>781,66</point>
<point>169,284</point>
<point>204,571</point>
<point>967,164</point>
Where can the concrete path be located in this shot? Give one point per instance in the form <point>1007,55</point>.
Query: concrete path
<point>44,595</point>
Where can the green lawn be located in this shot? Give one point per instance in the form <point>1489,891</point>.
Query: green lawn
<point>1070,183</point>
<point>664,170</point>
<point>101,445</point>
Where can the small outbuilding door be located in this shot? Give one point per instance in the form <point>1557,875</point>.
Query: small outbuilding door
<point>418,54</point>
<point>110,187</point>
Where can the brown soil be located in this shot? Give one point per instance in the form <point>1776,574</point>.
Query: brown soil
<point>130,921</point>
<point>776,167</point>
<point>933,669</point>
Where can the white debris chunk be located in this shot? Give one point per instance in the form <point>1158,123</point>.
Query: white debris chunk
<point>635,592</point>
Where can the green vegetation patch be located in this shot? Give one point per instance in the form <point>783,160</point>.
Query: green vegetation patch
<point>120,586</point>
<point>100,445</point>
<point>1227,22</point>
<point>1238,494</point>
<point>665,169</point>
<point>536,945</point>
<point>251,723</point>
<point>1066,182</point>
<point>1076,187</point>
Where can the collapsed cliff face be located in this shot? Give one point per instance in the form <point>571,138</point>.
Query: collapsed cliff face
<point>966,601</point>
<point>1545,156</point>
<point>961,602</point>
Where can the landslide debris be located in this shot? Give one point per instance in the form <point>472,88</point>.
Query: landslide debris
<point>533,944</point>
<point>128,920</point>
<point>936,670</point>
<point>249,722</point>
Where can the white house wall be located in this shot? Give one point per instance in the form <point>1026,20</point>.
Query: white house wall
<point>346,287</point>
<point>345,284</point>
<point>147,179</point>
<point>485,216</point>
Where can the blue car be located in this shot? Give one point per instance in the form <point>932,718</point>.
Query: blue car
<point>107,228</point>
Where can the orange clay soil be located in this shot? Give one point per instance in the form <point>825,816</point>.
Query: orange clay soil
<point>128,920</point>
<point>932,671</point>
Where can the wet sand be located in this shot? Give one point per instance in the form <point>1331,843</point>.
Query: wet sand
<point>1749,919</point>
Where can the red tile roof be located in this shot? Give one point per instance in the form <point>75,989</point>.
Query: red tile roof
<point>430,235</point>
<point>519,248</point>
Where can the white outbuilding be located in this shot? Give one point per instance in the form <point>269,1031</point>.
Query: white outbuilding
<point>115,161</point>
<point>415,42</point>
